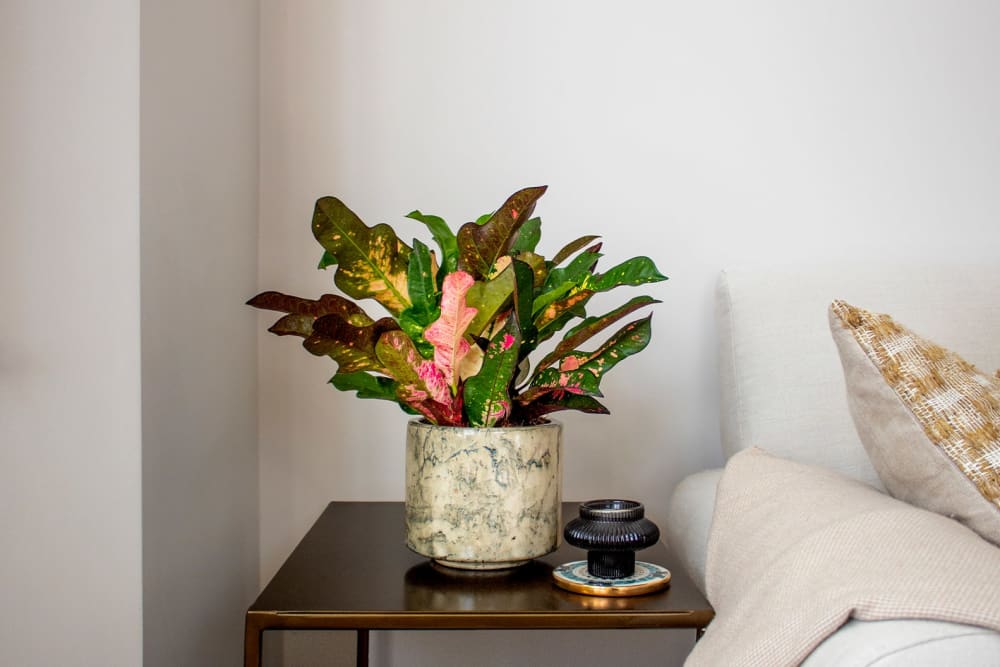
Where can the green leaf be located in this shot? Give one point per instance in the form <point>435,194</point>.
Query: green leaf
<point>366,384</point>
<point>487,394</point>
<point>414,326</point>
<point>371,261</point>
<point>577,271</point>
<point>443,235</point>
<point>636,271</point>
<point>420,281</point>
<point>328,259</point>
<point>524,281</point>
<point>553,295</point>
<point>480,246</point>
<point>581,372</point>
<point>483,219</point>
<point>538,265</point>
<point>489,297</point>
<point>528,237</point>
<point>571,248</point>
<point>589,328</point>
<point>565,283</point>
<point>352,347</point>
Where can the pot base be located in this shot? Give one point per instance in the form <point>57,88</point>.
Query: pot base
<point>480,566</point>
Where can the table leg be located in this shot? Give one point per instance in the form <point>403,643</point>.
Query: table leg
<point>362,659</point>
<point>252,645</point>
<point>699,633</point>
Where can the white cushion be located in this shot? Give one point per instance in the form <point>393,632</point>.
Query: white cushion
<point>782,387</point>
<point>689,520</point>
<point>907,643</point>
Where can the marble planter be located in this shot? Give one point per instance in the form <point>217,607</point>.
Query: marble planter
<point>483,499</point>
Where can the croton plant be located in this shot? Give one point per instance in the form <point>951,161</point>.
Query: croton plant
<point>456,347</point>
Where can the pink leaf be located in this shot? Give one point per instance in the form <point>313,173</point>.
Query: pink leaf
<point>419,382</point>
<point>447,333</point>
<point>435,382</point>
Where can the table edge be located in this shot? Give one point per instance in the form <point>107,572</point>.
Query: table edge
<point>257,621</point>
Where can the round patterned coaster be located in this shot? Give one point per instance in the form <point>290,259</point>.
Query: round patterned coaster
<point>647,578</point>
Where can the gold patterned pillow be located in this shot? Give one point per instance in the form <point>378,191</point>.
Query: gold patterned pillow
<point>928,419</point>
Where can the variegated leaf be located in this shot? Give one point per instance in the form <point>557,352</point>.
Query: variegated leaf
<point>539,267</point>
<point>589,328</point>
<point>571,248</point>
<point>352,347</point>
<point>293,325</point>
<point>635,271</point>
<point>551,296</point>
<point>302,312</point>
<point>490,297</point>
<point>577,271</point>
<point>555,400</point>
<point>371,261</point>
<point>487,394</point>
<point>480,246</point>
<point>419,382</point>
<point>447,333</point>
<point>581,372</point>
<point>557,309</point>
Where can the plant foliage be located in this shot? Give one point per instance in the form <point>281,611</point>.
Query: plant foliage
<point>463,324</point>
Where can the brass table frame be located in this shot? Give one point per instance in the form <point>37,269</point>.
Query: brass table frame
<point>352,572</point>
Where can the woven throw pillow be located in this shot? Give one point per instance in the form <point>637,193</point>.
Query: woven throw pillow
<point>928,419</point>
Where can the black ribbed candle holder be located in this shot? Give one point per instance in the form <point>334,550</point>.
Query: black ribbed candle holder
<point>611,531</point>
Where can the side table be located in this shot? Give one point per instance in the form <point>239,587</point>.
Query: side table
<point>352,571</point>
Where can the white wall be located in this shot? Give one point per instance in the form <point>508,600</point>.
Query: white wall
<point>199,375</point>
<point>92,429</point>
<point>702,133</point>
<point>70,566</point>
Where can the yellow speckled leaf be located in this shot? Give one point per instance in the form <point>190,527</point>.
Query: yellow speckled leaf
<point>371,261</point>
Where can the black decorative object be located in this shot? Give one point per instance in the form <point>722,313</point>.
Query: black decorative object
<point>611,531</point>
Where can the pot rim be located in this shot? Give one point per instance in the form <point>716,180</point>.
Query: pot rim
<point>422,423</point>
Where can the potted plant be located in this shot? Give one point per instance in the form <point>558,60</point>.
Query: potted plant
<point>455,351</point>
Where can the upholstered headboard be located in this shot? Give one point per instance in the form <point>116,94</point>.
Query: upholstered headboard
<point>781,379</point>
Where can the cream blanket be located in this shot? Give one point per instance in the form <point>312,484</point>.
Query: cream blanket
<point>795,550</point>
